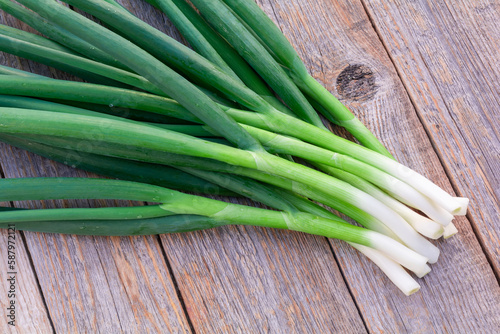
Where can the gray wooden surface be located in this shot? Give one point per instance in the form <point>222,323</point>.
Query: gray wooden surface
<point>424,78</point>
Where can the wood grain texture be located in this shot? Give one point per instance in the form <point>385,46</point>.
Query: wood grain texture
<point>461,294</point>
<point>446,53</point>
<point>254,280</point>
<point>31,314</point>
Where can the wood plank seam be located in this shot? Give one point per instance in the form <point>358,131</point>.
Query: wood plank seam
<point>107,282</point>
<point>176,285</point>
<point>454,185</point>
<point>341,269</point>
<point>37,280</point>
<point>432,141</point>
<point>348,285</point>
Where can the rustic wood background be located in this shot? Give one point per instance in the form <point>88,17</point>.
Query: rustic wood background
<point>424,77</point>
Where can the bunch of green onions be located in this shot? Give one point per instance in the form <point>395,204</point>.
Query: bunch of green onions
<point>228,117</point>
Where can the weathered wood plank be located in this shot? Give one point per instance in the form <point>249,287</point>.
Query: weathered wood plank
<point>30,313</point>
<point>253,280</point>
<point>447,55</point>
<point>341,48</point>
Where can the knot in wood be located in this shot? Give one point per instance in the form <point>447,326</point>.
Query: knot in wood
<point>356,82</point>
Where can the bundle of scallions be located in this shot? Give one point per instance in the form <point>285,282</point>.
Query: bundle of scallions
<point>229,116</point>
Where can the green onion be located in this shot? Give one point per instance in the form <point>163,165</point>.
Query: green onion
<point>149,67</point>
<point>123,213</point>
<point>230,57</point>
<point>449,231</point>
<point>193,36</point>
<point>421,224</point>
<point>198,140</point>
<point>183,161</point>
<point>308,133</point>
<point>174,54</point>
<point>183,223</point>
<point>399,189</point>
<point>99,94</point>
<point>160,225</point>
<point>32,39</point>
<point>179,203</point>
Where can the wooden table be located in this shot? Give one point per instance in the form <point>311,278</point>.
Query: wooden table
<point>424,76</point>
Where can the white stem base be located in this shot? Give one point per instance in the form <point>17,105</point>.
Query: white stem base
<point>423,225</point>
<point>399,253</point>
<point>399,226</point>
<point>394,271</point>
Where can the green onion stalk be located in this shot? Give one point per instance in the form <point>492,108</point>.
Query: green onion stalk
<point>449,231</point>
<point>183,161</point>
<point>281,144</point>
<point>196,39</point>
<point>123,169</point>
<point>420,223</point>
<point>286,145</point>
<point>188,180</point>
<point>184,223</point>
<point>183,59</point>
<point>343,209</point>
<point>394,271</point>
<point>32,39</point>
<point>96,156</point>
<point>34,47</point>
<point>176,203</point>
<point>257,56</point>
<point>140,226</point>
<point>147,66</point>
<point>179,56</point>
